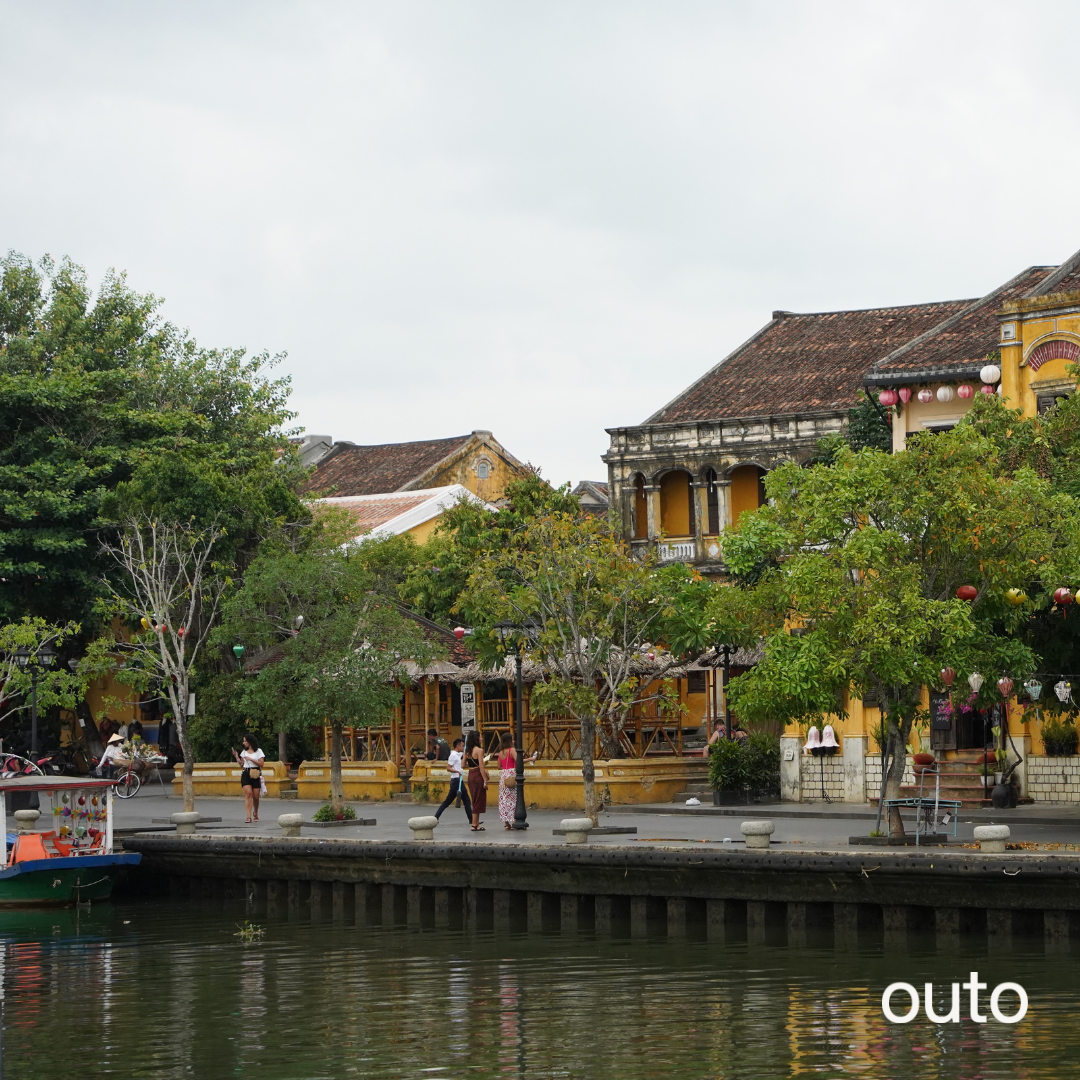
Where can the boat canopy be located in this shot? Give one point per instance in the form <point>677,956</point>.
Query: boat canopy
<point>53,783</point>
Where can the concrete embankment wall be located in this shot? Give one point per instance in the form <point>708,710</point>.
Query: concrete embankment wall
<point>946,892</point>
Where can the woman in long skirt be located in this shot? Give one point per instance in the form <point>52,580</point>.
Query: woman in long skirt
<point>507,786</point>
<point>478,778</point>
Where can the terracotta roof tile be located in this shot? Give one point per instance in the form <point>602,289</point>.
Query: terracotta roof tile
<point>803,363</point>
<point>371,513</point>
<point>369,470</point>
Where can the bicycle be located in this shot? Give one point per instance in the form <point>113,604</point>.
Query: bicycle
<point>127,783</point>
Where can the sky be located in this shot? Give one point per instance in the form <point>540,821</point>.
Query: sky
<point>539,218</point>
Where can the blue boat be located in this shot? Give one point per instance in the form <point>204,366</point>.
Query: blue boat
<point>71,863</point>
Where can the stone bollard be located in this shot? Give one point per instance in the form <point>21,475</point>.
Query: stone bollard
<point>423,828</point>
<point>757,833</point>
<point>290,823</point>
<point>992,838</point>
<point>577,829</point>
<point>185,822</point>
<point>27,819</point>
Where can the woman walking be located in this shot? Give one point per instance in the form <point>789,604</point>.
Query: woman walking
<point>478,778</point>
<point>507,776</point>
<point>251,759</point>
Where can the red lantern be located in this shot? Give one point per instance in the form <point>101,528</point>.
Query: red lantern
<point>180,632</point>
<point>1005,685</point>
<point>1063,596</point>
<point>888,397</point>
<point>926,395</point>
<point>905,394</point>
<point>948,676</point>
<point>459,632</point>
<point>987,389</point>
<point>967,592</point>
<point>965,390</point>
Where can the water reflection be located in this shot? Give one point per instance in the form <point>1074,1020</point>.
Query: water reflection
<point>167,990</point>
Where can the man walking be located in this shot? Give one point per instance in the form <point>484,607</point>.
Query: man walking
<point>457,788</point>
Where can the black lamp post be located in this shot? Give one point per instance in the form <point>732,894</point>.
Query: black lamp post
<point>725,663</point>
<point>512,635</point>
<point>43,657</point>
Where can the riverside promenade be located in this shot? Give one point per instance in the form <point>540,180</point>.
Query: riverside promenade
<point>681,873</point>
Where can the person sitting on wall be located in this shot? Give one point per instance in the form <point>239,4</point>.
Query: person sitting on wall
<point>720,732</point>
<point>438,747</point>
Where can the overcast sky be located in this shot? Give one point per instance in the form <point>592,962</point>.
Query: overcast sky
<point>540,218</point>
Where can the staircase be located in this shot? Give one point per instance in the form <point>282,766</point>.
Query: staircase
<point>289,791</point>
<point>695,789</point>
<point>961,779</point>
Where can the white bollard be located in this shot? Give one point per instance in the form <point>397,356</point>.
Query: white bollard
<point>27,819</point>
<point>757,833</point>
<point>992,838</point>
<point>423,828</point>
<point>577,829</point>
<point>185,822</point>
<point>290,823</point>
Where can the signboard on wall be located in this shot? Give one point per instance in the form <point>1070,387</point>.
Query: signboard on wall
<point>468,706</point>
<point>940,712</point>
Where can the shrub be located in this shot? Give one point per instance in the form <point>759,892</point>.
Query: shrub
<point>753,763</point>
<point>324,813</point>
<point>1060,737</point>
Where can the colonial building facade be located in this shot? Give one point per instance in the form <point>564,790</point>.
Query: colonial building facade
<point>693,467</point>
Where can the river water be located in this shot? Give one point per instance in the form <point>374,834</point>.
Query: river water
<point>165,989</point>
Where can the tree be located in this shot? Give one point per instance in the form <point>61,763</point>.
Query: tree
<point>328,648</point>
<point>169,588</point>
<point>97,392</point>
<point>55,685</point>
<point>869,427</point>
<point>597,609</point>
<point>866,556</point>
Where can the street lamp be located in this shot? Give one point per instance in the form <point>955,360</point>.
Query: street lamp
<point>511,635</point>
<point>44,657</point>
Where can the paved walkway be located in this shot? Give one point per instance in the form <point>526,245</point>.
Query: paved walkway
<point>797,825</point>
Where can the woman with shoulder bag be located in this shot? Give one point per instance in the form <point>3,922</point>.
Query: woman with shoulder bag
<point>251,759</point>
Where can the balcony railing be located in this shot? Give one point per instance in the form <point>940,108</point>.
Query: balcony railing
<point>676,551</point>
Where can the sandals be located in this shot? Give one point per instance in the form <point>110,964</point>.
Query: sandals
<point>478,828</point>
<point>247,821</point>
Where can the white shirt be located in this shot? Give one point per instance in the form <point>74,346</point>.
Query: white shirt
<point>251,759</point>
<point>453,762</point>
<point>113,752</point>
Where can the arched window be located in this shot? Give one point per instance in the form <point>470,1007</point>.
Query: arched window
<point>747,490</point>
<point>483,469</point>
<point>639,523</point>
<point>713,497</point>
<point>676,504</point>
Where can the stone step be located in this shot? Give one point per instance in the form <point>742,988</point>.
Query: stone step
<point>288,793</point>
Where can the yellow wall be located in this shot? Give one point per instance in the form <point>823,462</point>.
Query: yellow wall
<point>421,532</point>
<point>463,470</point>
<point>675,503</point>
<point>744,490</point>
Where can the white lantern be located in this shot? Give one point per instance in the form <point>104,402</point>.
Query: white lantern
<point>944,393</point>
<point>990,373</point>
<point>975,681</point>
<point>1063,689</point>
<point>926,395</point>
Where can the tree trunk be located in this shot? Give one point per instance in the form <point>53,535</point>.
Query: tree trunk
<point>588,770</point>
<point>281,751</point>
<point>899,729</point>
<point>189,766</point>
<point>337,793</point>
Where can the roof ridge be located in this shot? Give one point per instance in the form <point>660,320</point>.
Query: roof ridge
<point>952,320</point>
<point>1046,286</point>
<point>863,311</point>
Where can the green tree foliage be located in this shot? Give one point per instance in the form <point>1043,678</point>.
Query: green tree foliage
<point>342,665</point>
<point>104,407</point>
<point>867,429</point>
<point>468,533</point>
<point>597,609</point>
<point>55,685</point>
<point>868,555</point>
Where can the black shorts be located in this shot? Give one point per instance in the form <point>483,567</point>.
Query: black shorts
<point>247,781</point>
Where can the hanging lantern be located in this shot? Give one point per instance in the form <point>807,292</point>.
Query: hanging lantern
<point>1063,596</point>
<point>926,395</point>
<point>967,592</point>
<point>944,393</point>
<point>999,391</point>
<point>145,623</point>
<point>988,390</point>
<point>905,394</point>
<point>180,632</point>
<point>975,681</point>
<point>1034,689</point>
<point>1005,685</point>
<point>948,676</point>
<point>888,397</point>
<point>990,373</point>
<point>965,390</point>
<point>238,651</point>
<point>1063,690</point>
<point>1015,597</point>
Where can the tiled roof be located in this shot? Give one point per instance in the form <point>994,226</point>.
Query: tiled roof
<point>803,363</point>
<point>964,338</point>
<point>372,511</point>
<point>368,470</point>
<point>1066,278</point>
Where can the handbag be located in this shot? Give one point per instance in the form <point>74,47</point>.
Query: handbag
<point>255,773</point>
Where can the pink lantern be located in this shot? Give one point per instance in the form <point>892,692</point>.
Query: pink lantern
<point>888,397</point>
<point>1005,685</point>
<point>905,394</point>
<point>964,390</point>
<point>926,395</point>
<point>987,389</point>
